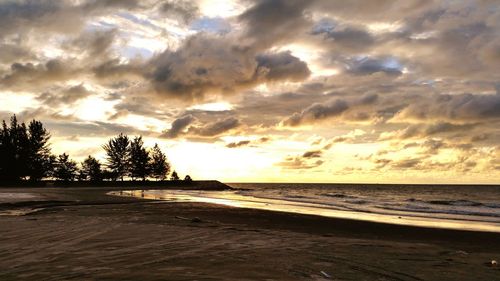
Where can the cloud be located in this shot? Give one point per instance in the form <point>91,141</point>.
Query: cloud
<point>94,44</point>
<point>215,128</point>
<point>281,20</point>
<point>178,126</point>
<point>366,66</point>
<point>312,154</point>
<point>425,130</point>
<point>247,142</point>
<point>316,112</point>
<point>282,66</point>
<point>453,108</point>
<point>238,144</point>
<point>10,53</point>
<point>216,65</point>
<point>28,76</point>
<point>347,38</point>
<point>65,97</point>
<point>185,11</point>
<point>53,16</point>
<point>299,163</point>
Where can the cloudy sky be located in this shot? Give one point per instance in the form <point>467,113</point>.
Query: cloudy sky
<point>275,90</point>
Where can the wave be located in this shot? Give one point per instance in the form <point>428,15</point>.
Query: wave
<point>459,203</point>
<point>339,195</point>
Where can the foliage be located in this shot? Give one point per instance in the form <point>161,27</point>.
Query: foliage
<point>65,169</point>
<point>159,164</point>
<point>188,178</point>
<point>40,162</point>
<point>174,176</point>
<point>139,159</point>
<point>117,151</point>
<point>24,151</point>
<point>25,154</point>
<point>91,170</point>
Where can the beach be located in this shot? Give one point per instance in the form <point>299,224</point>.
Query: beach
<point>84,234</point>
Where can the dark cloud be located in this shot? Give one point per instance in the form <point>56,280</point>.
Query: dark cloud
<point>207,64</point>
<point>185,125</point>
<point>238,144</point>
<point>19,17</point>
<point>454,108</point>
<point>215,128</point>
<point>30,76</point>
<point>299,163</point>
<point>185,11</point>
<point>312,154</point>
<point>114,68</point>
<point>344,37</point>
<point>94,44</point>
<point>316,112</point>
<point>247,142</point>
<point>65,97</point>
<point>282,66</point>
<point>366,66</point>
<point>280,19</point>
<point>178,126</point>
<point>425,130</point>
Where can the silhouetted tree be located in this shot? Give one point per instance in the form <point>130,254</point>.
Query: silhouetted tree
<point>174,176</point>
<point>24,151</point>
<point>15,150</point>
<point>108,175</point>
<point>65,169</point>
<point>40,163</point>
<point>188,178</point>
<point>91,170</point>
<point>139,159</point>
<point>6,155</point>
<point>117,151</point>
<point>159,164</point>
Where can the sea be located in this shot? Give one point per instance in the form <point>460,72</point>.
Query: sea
<point>463,207</point>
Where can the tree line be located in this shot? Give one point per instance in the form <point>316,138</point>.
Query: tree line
<point>25,154</point>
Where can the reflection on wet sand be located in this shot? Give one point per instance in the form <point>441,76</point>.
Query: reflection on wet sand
<point>230,198</point>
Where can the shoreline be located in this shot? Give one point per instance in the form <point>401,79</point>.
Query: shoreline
<point>86,196</point>
<point>125,185</point>
<point>82,233</point>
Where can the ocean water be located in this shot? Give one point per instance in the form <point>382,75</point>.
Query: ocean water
<point>465,207</point>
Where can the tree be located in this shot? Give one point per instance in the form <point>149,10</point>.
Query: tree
<point>91,170</point>
<point>139,159</point>
<point>117,151</point>
<point>6,156</point>
<point>188,178</point>
<point>24,151</point>
<point>174,176</point>
<point>65,169</point>
<point>159,164</point>
<point>14,150</point>
<point>39,163</point>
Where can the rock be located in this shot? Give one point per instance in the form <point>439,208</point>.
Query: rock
<point>326,275</point>
<point>196,219</point>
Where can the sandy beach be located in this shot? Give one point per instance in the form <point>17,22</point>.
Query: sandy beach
<point>84,234</point>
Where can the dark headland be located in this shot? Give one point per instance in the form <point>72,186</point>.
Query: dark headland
<point>82,233</point>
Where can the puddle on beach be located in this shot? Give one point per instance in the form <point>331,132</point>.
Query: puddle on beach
<point>12,197</point>
<point>19,212</point>
<point>230,198</point>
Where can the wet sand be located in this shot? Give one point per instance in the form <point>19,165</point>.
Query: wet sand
<point>84,234</point>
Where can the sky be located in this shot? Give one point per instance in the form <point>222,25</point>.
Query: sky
<point>372,91</point>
